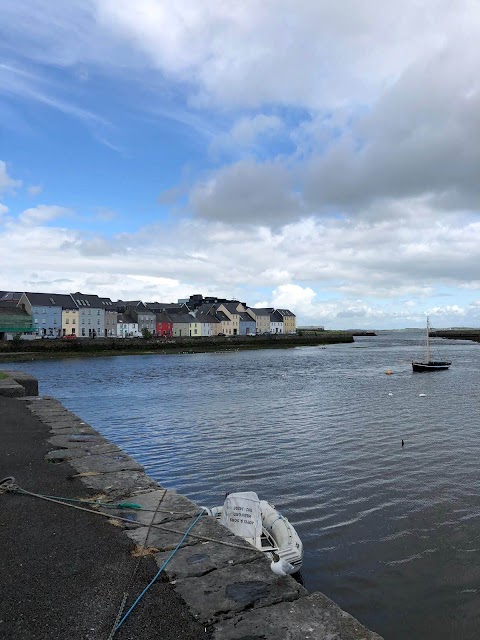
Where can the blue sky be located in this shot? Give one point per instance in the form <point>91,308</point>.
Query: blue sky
<point>319,156</point>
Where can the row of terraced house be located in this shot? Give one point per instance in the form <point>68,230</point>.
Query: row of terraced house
<point>52,315</point>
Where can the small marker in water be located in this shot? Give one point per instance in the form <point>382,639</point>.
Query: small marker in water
<point>402,443</point>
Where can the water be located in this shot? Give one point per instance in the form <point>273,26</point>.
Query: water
<point>390,534</point>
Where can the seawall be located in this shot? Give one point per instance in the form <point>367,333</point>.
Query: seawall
<point>37,349</point>
<point>226,584</point>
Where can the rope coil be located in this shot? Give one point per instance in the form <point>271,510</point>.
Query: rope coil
<point>7,484</point>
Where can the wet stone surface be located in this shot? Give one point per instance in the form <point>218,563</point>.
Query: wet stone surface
<point>224,592</point>
<point>312,617</point>
<point>106,463</point>
<point>81,452</point>
<point>78,440</point>
<point>164,506</point>
<point>246,592</point>
<point>119,485</point>
<point>205,557</point>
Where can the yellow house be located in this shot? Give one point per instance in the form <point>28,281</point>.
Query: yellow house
<point>70,322</point>
<point>195,328</point>
<point>289,321</point>
<point>262,318</point>
<point>232,310</point>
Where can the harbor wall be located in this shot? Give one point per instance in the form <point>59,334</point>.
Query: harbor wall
<point>35,349</point>
<point>227,585</point>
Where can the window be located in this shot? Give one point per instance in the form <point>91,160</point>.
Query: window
<point>67,321</point>
<point>73,321</point>
<point>44,321</point>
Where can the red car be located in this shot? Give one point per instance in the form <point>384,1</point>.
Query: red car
<point>70,336</point>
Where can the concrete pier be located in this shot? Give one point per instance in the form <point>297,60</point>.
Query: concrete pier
<point>215,586</point>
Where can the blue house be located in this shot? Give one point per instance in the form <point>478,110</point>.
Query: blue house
<point>247,324</point>
<point>46,312</point>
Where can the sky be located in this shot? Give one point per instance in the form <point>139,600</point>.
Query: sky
<point>315,155</point>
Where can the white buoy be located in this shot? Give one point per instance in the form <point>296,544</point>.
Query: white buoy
<point>422,395</point>
<point>390,394</point>
<point>281,567</point>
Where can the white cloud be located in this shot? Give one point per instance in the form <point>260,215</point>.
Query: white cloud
<point>247,192</point>
<point>327,273</point>
<point>35,189</point>
<point>246,133</point>
<point>7,183</point>
<point>310,54</point>
<point>3,209</point>
<point>42,213</point>
<point>293,296</point>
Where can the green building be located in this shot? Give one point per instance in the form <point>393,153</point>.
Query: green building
<point>14,320</point>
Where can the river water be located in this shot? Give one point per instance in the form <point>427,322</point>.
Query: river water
<point>391,534</point>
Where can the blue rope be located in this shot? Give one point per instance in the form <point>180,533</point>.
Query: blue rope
<point>153,580</point>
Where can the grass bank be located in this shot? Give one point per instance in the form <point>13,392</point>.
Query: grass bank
<point>25,350</point>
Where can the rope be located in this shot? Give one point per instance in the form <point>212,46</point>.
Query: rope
<point>155,577</point>
<point>6,484</point>
<point>278,518</point>
<point>12,487</point>
<point>134,573</point>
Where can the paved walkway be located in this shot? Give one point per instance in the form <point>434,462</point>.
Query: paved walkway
<point>63,572</point>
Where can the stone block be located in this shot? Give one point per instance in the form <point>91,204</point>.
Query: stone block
<point>80,441</point>
<point>106,463</point>
<point>167,536</point>
<point>27,381</point>
<point>58,455</point>
<point>200,559</point>
<point>228,591</point>
<point>312,617</point>
<point>119,485</point>
<point>171,506</point>
<point>11,389</point>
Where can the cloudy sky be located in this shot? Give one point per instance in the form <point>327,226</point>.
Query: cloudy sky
<point>318,155</point>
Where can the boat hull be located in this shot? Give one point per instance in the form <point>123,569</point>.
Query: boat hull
<point>278,535</point>
<point>421,367</point>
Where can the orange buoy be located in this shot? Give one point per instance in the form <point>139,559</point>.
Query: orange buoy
<point>388,372</point>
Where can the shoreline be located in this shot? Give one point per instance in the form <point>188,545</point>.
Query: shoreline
<point>225,584</point>
<point>453,334</point>
<point>48,349</point>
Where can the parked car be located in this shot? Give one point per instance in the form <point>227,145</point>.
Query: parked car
<point>70,336</point>
<point>222,335</point>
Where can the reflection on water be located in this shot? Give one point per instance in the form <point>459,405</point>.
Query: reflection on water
<point>390,534</point>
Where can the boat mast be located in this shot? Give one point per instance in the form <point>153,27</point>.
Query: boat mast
<point>428,342</point>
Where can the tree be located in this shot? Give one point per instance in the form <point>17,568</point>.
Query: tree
<point>147,334</point>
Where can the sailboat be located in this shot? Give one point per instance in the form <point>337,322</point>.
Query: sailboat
<point>429,365</point>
